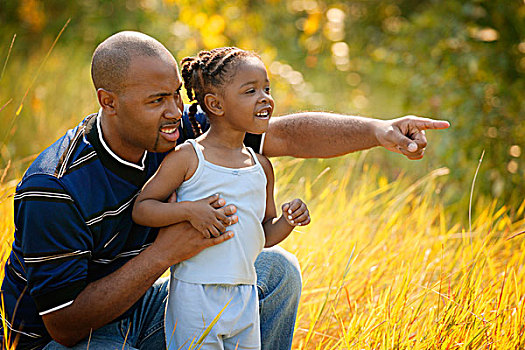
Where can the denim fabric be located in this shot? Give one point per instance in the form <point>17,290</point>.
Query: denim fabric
<point>144,329</point>
<point>279,287</point>
<point>279,284</point>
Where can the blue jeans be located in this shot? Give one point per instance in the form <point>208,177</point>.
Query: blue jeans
<point>279,287</point>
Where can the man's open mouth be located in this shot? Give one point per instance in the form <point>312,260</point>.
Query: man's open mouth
<point>170,131</point>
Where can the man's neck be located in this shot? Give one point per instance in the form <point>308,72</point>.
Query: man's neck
<point>114,145</point>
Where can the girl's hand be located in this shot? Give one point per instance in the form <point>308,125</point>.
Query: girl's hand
<point>210,217</point>
<point>296,213</point>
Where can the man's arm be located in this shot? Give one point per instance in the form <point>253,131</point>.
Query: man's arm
<point>324,135</point>
<point>104,300</point>
<point>56,247</point>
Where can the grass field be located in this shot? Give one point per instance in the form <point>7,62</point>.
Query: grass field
<point>385,268</point>
<point>387,264</point>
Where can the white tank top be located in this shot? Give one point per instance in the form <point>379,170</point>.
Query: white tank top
<point>231,262</point>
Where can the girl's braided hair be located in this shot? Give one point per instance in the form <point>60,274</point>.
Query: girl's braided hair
<point>206,71</point>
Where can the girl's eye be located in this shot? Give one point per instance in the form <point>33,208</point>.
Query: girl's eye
<point>250,91</point>
<point>267,89</point>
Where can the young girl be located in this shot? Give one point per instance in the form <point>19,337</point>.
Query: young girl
<point>232,86</point>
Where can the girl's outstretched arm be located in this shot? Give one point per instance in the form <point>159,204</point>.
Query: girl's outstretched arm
<point>295,213</point>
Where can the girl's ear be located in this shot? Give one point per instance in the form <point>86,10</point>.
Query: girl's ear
<point>214,104</point>
<point>107,100</point>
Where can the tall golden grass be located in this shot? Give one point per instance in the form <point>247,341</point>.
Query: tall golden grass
<point>387,264</point>
<point>383,265</point>
<point>6,238</point>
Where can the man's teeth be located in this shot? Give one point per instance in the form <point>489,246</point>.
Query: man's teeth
<point>168,130</point>
<point>262,114</point>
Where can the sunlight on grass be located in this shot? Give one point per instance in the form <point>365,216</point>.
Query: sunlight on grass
<point>6,238</point>
<point>387,263</point>
<point>383,266</point>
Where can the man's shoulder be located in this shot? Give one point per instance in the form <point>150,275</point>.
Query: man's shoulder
<point>55,160</point>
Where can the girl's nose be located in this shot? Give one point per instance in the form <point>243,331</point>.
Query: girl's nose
<point>266,97</point>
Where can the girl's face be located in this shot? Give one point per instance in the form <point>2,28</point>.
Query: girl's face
<point>245,98</point>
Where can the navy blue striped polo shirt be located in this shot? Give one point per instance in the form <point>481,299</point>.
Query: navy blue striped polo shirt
<point>73,226</point>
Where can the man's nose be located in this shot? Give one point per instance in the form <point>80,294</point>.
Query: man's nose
<point>173,109</point>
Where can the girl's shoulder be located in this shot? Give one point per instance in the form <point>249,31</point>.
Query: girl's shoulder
<point>184,148</point>
<point>183,156</point>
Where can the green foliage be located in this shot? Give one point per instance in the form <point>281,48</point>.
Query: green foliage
<point>468,68</point>
<point>462,61</point>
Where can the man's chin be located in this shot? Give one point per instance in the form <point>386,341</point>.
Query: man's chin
<point>165,147</point>
<point>166,142</point>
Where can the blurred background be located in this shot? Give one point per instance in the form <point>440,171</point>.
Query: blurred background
<point>463,61</point>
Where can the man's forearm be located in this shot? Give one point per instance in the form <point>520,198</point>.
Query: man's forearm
<point>324,135</point>
<point>319,135</point>
<point>104,300</point>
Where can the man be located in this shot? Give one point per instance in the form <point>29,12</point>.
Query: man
<point>81,272</point>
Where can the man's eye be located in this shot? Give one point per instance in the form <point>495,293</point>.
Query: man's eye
<point>157,100</point>
<point>267,89</point>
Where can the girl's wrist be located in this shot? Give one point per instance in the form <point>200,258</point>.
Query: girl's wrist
<point>283,218</point>
<point>186,209</point>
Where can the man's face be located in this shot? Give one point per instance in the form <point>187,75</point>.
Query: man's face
<point>248,104</point>
<point>148,108</point>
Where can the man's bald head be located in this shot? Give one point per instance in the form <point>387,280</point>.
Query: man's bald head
<point>112,58</point>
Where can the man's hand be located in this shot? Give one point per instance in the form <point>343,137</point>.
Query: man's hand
<point>107,298</point>
<point>182,241</point>
<point>406,135</point>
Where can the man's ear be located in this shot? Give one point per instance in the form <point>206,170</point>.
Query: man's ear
<point>107,100</point>
<point>214,104</point>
